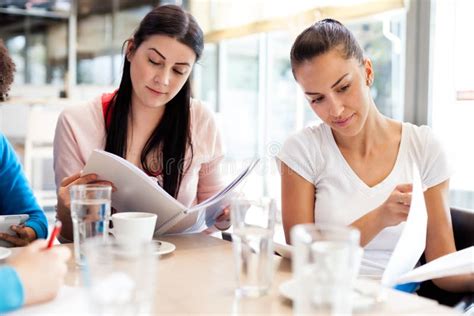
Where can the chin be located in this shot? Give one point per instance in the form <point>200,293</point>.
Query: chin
<point>155,104</point>
<point>348,131</point>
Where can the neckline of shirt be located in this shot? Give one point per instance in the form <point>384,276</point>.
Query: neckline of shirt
<point>347,169</point>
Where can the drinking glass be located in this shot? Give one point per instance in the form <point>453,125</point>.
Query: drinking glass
<point>90,212</point>
<point>253,225</point>
<point>120,277</point>
<point>324,265</point>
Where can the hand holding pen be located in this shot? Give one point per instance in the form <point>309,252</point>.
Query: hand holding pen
<point>41,268</point>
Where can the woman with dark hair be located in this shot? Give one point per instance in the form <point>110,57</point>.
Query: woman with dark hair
<point>356,167</point>
<point>150,120</point>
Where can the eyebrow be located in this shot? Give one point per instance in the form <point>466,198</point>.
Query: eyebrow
<point>334,84</point>
<point>163,56</point>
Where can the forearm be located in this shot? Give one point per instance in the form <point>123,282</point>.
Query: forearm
<point>369,226</point>
<point>458,283</point>
<point>64,215</point>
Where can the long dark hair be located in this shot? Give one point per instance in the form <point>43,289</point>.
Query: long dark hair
<point>320,38</point>
<point>172,135</point>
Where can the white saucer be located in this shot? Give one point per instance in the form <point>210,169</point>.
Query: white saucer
<point>4,253</point>
<point>365,295</point>
<point>163,247</point>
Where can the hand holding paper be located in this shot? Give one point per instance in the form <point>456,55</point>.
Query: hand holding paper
<point>412,242</point>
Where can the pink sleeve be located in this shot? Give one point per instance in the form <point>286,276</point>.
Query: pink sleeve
<point>67,158</point>
<point>210,179</point>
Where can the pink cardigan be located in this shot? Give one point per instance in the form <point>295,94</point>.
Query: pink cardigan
<point>81,129</point>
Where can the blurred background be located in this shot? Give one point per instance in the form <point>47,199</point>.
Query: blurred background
<point>69,51</point>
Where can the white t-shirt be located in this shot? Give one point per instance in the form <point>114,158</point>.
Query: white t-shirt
<point>342,197</point>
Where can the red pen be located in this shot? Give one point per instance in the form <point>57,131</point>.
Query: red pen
<point>54,233</point>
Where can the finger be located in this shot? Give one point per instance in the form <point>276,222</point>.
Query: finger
<point>88,178</point>
<point>404,213</point>
<point>19,230</point>
<point>38,244</point>
<point>224,216</point>
<point>14,240</point>
<point>103,182</point>
<point>63,253</point>
<point>408,197</point>
<point>68,180</point>
<point>405,187</point>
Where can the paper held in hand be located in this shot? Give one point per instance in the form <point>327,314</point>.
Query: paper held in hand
<point>456,263</point>
<point>412,242</point>
<point>138,192</point>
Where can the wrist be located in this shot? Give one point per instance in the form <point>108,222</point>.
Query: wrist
<point>378,219</point>
<point>30,233</point>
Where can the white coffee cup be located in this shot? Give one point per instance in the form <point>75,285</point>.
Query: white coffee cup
<point>133,227</point>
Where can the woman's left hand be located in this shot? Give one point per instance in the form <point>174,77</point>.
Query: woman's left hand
<point>24,235</point>
<point>223,220</point>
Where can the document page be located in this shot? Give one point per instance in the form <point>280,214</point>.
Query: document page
<point>460,262</point>
<point>412,242</point>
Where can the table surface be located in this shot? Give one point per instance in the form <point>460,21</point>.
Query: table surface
<point>198,277</point>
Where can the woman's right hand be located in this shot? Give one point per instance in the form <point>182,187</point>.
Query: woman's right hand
<point>395,209</point>
<point>40,270</point>
<point>64,200</point>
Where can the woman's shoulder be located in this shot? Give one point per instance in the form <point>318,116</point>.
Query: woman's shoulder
<point>418,135</point>
<point>200,112</point>
<point>203,120</point>
<point>313,135</point>
<point>84,112</point>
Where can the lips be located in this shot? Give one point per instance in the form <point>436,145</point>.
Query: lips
<point>344,122</point>
<point>156,92</point>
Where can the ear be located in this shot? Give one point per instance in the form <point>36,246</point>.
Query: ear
<point>369,72</point>
<point>130,50</point>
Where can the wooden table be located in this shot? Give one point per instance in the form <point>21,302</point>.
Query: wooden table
<point>198,277</point>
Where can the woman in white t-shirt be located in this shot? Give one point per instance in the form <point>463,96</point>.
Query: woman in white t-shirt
<point>356,167</point>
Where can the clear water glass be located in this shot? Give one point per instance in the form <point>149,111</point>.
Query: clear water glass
<point>253,226</point>
<point>324,264</point>
<point>120,277</point>
<point>90,212</point>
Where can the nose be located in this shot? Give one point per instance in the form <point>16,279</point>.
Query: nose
<point>336,107</point>
<point>162,77</point>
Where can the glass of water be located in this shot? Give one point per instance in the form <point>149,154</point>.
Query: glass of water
<point>120,277</point>
<point>325,260</point>
<point>253,225</point>
<point>90,212</point>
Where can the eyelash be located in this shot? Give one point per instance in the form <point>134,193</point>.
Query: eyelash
<point>344,88</point>
<point>152,62</point>
<point>320,99</point>
<point>156,64</point>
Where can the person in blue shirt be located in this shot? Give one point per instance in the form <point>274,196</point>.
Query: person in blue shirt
<point>34,275</point>
<point>16,197</point>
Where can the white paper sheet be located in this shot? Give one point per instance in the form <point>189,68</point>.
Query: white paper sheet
<point>460,262</point>
<point>412,241</point>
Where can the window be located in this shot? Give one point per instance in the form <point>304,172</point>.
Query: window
<point>452,108</point>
